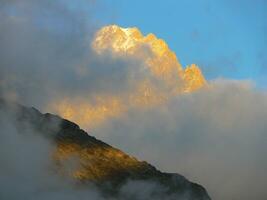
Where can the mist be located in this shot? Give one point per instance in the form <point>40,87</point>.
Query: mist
<point>216,137</point>
<point>46,54</point>
<point>27,169</point>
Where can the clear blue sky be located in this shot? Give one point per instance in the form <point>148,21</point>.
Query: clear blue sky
<point>227,38</point>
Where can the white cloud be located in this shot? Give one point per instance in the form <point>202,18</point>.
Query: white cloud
<point>216,137</point>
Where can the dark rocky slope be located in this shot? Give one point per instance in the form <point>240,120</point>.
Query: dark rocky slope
<point>98,162</point>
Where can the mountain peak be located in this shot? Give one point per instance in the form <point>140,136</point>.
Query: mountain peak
<point>153,52</point>
<point>194,78</point>
<point>156,77</point>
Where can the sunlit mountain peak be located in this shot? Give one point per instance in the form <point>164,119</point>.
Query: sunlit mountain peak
<point>154,52</point>
<point>162,77</point>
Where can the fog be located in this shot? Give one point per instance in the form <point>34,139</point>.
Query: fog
<point>216,137</point>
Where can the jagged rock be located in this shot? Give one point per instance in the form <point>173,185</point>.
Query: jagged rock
<point>98,162</point>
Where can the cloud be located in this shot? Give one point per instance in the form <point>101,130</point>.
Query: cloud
<point>45,57</point>
<point>41,41</point>
<point>216,137</point>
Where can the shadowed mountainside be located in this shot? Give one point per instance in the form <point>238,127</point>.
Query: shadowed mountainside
<point>95,161</point>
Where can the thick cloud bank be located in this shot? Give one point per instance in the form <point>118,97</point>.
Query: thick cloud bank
<point>216,137</point>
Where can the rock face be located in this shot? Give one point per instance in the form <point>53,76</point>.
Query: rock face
<point>97,162</point>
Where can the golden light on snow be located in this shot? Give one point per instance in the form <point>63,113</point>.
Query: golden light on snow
<point>156,58</point>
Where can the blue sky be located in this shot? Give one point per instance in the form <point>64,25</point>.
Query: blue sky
<point>227,38</point>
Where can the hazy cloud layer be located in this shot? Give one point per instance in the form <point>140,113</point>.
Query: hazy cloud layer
<point>216,137</point>
<point>45,54</point>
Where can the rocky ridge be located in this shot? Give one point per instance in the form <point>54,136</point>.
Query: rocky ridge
<point>108,167</point>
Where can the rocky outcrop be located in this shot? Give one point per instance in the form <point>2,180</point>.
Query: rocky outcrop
<point>108,167</point>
